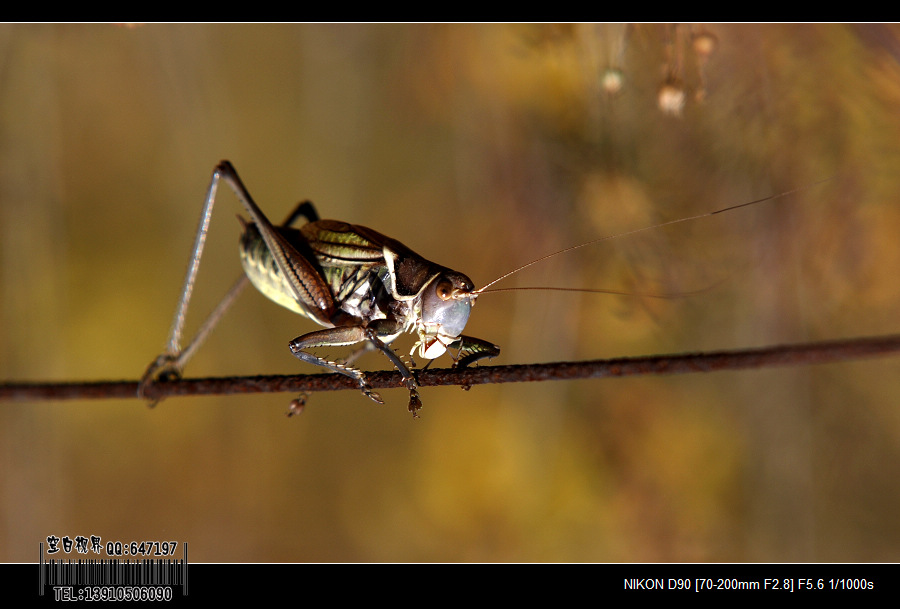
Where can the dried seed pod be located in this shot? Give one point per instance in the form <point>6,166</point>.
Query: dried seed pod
<point>612,80</point>
<point>671,97</point>
<point>704,43</point>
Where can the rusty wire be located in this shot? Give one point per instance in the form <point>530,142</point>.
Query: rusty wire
<point>765,357</point>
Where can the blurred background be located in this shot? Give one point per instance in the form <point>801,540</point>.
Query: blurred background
<point>482,147</point>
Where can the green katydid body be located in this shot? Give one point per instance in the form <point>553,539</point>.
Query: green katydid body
<point>363,287</point>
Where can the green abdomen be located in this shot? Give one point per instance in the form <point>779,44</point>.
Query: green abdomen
<point>264,274</point>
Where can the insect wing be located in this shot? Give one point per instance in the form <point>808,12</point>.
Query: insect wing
<point>340,244</point>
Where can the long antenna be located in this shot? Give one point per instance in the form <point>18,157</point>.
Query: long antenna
<point>640,230</point>
<point>665,295</point>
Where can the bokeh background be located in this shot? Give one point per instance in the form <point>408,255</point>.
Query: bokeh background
<point>482,147</point>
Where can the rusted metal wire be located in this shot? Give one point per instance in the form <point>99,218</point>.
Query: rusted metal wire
<point>781,355</point>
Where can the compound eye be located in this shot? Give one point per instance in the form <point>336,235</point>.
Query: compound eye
<point>444,289</point>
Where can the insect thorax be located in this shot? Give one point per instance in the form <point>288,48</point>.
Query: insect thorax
<point>363,291</point>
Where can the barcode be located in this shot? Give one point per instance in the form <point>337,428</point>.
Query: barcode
<point>114,572</point>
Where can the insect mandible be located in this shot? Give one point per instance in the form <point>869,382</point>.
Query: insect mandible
<point>365,289</point>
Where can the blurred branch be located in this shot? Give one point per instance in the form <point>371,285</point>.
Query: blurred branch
<point>766,357</point>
